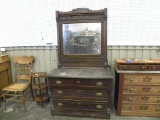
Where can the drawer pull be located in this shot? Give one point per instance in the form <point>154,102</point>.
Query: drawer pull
<point>59,92</point>
<point>153,68</point>
<point>79,103</point>
<point>99,83</point>
<point>130,99</point>
<point>142,68</point>
<point>58,82</point>
<point>144,107</point>
<point>158,100</point>
<point>60,104</point>
<point>78,81</point>
<point>132,79</point>
<point>99,94</point>
<point>131,89</point>
<point>147,79</point>
<point>158,109</point>
<point>99,107</point>
<point>124,67</point>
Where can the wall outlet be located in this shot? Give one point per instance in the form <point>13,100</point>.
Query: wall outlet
<point>3,49</point>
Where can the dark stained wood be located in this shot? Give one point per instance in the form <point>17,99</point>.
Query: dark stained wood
<point>82,15</point>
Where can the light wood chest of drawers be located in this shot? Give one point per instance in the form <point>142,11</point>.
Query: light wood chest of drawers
<point>81,92</point>
<point>137,93</point>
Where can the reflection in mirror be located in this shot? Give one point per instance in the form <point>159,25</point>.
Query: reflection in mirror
<point>82,38</point>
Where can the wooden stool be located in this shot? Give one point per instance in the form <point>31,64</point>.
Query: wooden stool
<point>39,86</point>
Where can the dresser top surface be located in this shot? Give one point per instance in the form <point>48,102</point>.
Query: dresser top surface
<point>81,73</point>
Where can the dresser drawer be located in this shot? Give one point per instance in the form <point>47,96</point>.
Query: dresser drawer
<point>141,90</point>
<point>132,67</point>
<point>80,105</point>
<point>79,82</point>
<point>4,66</point>
<point>81,113</point>
<point>154,67</point>
<point>142,79</point>
<point>141,108</point>
<point>141,99</point>
<point>68,93</point>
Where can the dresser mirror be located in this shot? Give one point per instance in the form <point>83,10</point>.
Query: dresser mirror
<point>82,38</point>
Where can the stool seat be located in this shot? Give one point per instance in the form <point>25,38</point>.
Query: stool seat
<point>39,74</point>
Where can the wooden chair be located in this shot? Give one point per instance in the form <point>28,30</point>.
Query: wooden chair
<point>23,70</point>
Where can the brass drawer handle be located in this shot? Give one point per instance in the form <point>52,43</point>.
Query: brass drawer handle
<point>60,104</point>
<point>79,103</point>
<point>132,79</point>
<point>131,89</point>
<point>158,109</point>
<point>99,94</point>
<point>59,92</point>
<point>99,107</point>
<point>130,98</point>
<point>58,82</point>
<point>142,67</point>
<point>99,83</point>
<point>78,81</point>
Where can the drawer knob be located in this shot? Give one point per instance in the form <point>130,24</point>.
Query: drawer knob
<point>99,83</point>
<point>132,79</point>
<point>142,68</point>
<point>78,81</point>
<point>158,109</point>
<point>130,99</point>
<point>58,82</point>
<point>60,104</point>
<point>59,92</point>
<point>131,89</point>
<point>99,106</point>
<point>99,94</point>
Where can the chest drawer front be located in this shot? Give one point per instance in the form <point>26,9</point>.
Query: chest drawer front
<point>67,93</point>
<point>79,82</point>
<point>140,108</point>
<point>142,79</point>
<point>141,90</point>
<point>141,99</point>
<point>133,67</point>
<point>80,105</point>
<point>153,67</point>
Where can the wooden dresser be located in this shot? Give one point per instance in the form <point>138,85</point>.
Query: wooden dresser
<point>5,72</point>
<point>137,87</point>
<point>82,83</point>
<point>81,92</point>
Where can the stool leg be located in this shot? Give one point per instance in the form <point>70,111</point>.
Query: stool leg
<point>4,98</point>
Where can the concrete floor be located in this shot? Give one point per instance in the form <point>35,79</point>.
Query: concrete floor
<point>15,111</point>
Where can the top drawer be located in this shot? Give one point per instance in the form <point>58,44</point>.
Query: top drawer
<point>78,82</point>
<point>133,67</point>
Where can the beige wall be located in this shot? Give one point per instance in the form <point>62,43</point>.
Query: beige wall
<point>46,57</point>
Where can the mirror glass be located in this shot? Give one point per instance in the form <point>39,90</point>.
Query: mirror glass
<point>82,38</point>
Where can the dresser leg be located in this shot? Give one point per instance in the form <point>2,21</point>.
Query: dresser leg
<point>52,112</point>
<point>108,113</point>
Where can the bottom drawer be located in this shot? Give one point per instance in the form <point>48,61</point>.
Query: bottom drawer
<point>141,109</point>
<point>80,105</point>
<point>81,113</point>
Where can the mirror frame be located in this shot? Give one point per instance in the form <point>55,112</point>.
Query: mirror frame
<point>82,15</point>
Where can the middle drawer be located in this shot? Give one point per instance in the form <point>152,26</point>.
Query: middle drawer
<point>79,93</point>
